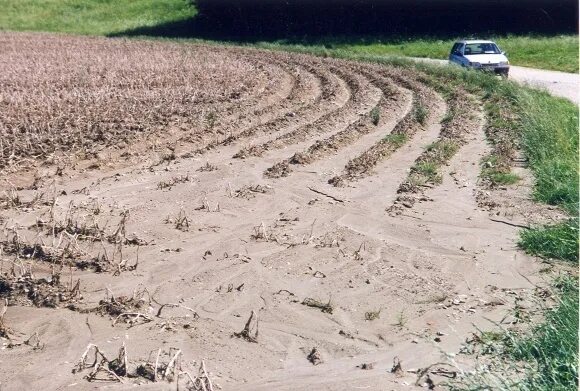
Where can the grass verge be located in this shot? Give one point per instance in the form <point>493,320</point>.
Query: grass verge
<point>558,241</point>
<point>543,359</point>
<point>551,349</point>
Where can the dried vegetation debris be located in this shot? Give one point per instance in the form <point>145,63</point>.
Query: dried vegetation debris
<point>40,271</point>
<point>80,103</point>
<point>168,367</point>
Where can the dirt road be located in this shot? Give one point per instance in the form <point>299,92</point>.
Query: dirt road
<point>291,198</point>
<point>565,85</point>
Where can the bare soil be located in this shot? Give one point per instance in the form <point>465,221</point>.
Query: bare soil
<point>170,204</point>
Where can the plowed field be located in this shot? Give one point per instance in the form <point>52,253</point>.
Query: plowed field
<point>155,195</point>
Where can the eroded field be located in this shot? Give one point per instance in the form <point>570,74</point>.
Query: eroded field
<point>157,195</point>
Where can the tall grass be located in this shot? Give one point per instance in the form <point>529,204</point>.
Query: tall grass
<point>550,141</point>
<point>559,241</point>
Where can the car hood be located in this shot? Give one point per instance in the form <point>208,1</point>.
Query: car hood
<point>486,58</point>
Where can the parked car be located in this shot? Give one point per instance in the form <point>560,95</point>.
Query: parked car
<point>481,55</point>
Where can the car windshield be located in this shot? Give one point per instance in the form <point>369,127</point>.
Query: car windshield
<point>481,48</point>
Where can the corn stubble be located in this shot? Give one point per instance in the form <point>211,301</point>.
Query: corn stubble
<point>72,95</point>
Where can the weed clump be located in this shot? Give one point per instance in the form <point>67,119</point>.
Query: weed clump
<point>372,315</point>
<point>375,116</point>
<point>421,114</point>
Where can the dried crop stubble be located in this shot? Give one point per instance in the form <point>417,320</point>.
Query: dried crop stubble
<point>67,94</point>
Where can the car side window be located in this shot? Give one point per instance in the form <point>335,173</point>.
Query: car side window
<point>459,49</point>
<point>454,48</point>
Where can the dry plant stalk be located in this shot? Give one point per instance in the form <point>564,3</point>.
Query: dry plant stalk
<point>246,333</point>
<point>326,308</point>
<point>114,369</point>
<point>180,222</point>
<point>4,330</point>
<point>84,96</point>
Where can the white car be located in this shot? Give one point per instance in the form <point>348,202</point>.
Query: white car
<point>482,55</point>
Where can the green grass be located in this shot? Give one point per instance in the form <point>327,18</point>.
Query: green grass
<point>91,17</point>
<point>421,114</point>
<point>545,358</point>
<point>441,151</point>
<point>502,178</point>
<point>552,347</point>
<point>557,53</point>
<point>559,241</point>
<point>496,170</point>
<point>550,141</point>
<point>398,140</point>
<point>428,170</point>
<point>375,116</point>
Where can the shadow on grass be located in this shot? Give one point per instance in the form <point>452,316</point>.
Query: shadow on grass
<point>348,21</point>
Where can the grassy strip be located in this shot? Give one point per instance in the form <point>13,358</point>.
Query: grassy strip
<point>426,170</point>
<point>496,173</point>
<point>558,241</point>
<point>90,17</point>
<point>550,141</point>
<point>543,359</point>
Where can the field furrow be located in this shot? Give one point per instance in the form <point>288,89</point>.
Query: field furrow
<point>463,117</point>
<point>360,98</point>
<point>372,120</point>
<point>309,103</point>
<point>422,112</point>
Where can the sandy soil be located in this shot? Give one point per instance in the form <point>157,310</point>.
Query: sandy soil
<point>218,238</point>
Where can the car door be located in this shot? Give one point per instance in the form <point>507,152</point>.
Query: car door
<point>456,55</point>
